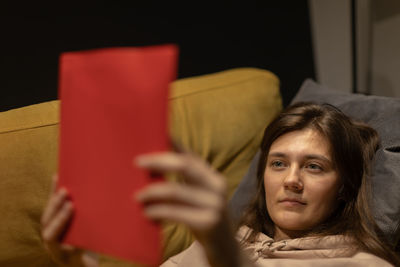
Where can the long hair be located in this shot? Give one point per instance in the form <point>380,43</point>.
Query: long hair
<point>353,146</point>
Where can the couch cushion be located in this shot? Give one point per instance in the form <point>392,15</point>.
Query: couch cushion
<point>28,159</point>
<point>383,114</point>
<point>219,116</point>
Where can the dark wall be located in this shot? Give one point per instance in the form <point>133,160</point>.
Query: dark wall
<point>273,35</point>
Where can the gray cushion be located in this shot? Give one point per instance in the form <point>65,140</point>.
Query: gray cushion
<point>382,113</point>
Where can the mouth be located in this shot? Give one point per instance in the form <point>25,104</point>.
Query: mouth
<point>292,201</point>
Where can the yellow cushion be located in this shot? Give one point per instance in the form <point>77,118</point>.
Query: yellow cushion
<point>219,116</point>
<point>28,159</point>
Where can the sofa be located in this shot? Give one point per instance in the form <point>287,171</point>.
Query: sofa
<point>219,116</point>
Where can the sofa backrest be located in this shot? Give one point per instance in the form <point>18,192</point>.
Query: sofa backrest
<point>220,116</point>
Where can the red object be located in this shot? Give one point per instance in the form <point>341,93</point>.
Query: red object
<point>113,108</point>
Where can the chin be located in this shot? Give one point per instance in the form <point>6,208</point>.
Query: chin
<point>291,222</point>
<point>291,226</point>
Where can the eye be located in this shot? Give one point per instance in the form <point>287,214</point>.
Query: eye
<point>314,167</point>
<point>277,164</point>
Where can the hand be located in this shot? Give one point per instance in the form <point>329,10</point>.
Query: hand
<point>200,203</point>
<point>54,221</point>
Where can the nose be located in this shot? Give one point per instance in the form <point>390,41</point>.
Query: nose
<point>293,179</point>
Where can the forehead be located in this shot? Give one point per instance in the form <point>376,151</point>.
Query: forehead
<point>307,141</point>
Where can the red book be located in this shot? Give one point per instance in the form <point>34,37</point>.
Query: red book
<point>113,108</point>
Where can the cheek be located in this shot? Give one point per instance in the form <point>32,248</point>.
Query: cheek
<point>271,187</point>
<point>323,192</point>
<point>323,199</point>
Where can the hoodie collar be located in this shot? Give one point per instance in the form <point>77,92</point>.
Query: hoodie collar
<point>305,247</point>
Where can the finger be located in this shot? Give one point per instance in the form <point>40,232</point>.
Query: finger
<point>183,194</point>
<point>195,218</point>
<point>52,232</point>
<point>54,204</point>
<point>167,161</point>
<point>202,173</point>
<point>194,169</point>
<point>67,247</point>
<point>90,259</point>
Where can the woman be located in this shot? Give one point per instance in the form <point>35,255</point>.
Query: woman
<point>310,208</point>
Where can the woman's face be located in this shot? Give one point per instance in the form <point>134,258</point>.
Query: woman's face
<point>301,182</point>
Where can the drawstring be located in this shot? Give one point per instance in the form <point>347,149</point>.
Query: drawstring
<point>267,247</point>
<point>278,245</point>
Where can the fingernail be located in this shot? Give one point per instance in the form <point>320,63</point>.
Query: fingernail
<point>140,161</point>
<point>149,212</point>
<point>69,205</point>
<point>138,196</point>
<point>63,191</point>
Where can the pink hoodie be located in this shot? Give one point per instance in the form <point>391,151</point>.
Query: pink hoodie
<point>328,251</point>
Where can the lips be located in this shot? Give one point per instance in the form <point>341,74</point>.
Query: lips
<point>293,200</point>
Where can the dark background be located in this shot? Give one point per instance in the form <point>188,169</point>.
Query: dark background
<point>273,35</point>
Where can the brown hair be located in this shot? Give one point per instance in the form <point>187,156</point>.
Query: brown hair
<point>353,146</point>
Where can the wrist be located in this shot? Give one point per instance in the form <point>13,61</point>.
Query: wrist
<point>221,246</point>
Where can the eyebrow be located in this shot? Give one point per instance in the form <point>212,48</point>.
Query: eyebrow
<point>308,156</point>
